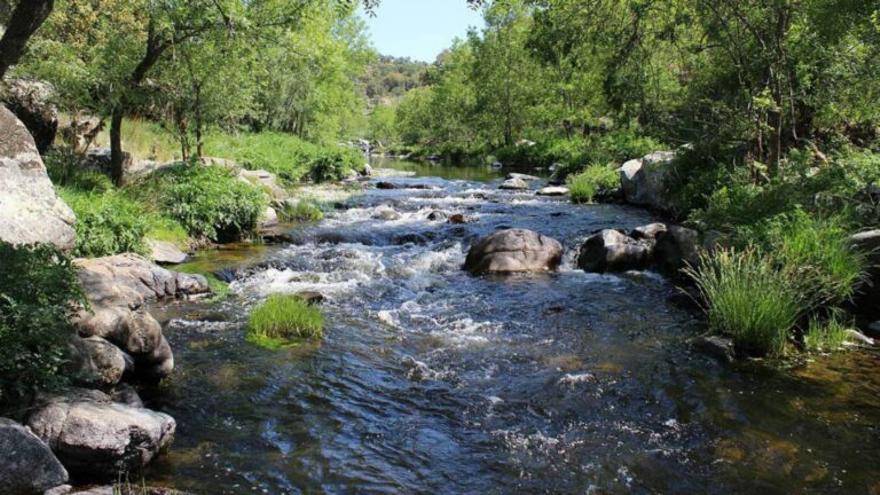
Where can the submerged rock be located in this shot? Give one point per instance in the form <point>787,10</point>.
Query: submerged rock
<point>613,251</point>
<point>437,216</point>
<point>387,214</point>
<point>30,210</point>
<point>27,465</point>
<point>96,438</point>
<point>458,219</point>
<point>514,250</point>
<point>720,348</point>
<point>525,177</point>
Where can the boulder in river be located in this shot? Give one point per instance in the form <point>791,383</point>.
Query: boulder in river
<point>30,210</point>
<point>514,250</point>
<point>97,438</point>
<point>31,101</point>
<point>525,177</point>
<point>613,251</point>
<point>514,185</point>
<point>643,179</point>
<point>437,216</point>
<point>552,191</point>
<point>675,248</point>
<point>387,214</point>
<point>27,465</point>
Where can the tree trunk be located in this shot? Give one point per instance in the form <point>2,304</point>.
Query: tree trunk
<point>117,161</point>
<point>27,17</point>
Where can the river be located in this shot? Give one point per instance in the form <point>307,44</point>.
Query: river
<point>430,380</point>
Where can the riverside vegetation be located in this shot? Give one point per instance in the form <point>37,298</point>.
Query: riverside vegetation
<point>771,108</point>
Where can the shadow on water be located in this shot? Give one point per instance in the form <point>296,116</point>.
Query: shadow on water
<point>433,381</point>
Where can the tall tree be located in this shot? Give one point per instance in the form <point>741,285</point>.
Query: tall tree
<point>26,18</point>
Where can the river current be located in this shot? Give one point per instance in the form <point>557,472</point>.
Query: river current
<point>430,380</point>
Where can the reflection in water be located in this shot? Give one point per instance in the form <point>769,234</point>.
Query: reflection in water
<point>433,381</point>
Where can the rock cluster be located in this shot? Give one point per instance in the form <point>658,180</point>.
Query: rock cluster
<point>665,247</point>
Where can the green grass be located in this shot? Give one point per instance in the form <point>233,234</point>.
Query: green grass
<point>282,320</point>
<point>594,180</point>
<point>144,140</point>
<point>749,299</point>
<point>168,230</point>
<point>303,211</point>
<point>826,336</point>
<point>288,157</point>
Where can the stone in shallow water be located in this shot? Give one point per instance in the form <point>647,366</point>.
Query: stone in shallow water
<point>552,191</point>
<point>27,465</point>
<point>514,250</point>
<point>97,438</point>
<point>165,253</point>
<point>613,251</point>
<point>514,185</point>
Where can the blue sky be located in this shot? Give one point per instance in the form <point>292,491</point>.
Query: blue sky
<point>420,29</point>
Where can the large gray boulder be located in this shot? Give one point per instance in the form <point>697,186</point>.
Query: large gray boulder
<point>165,253</point>
<point>676,247</point>
<point>96,362</point>
<point>31,101</point>
<point>27,465</point>
<point>97,438</point>
<point>643,180</point>
<point>30,210</point>
<point>514,250</point>
<point>613,251</point>
<point>118,287</point>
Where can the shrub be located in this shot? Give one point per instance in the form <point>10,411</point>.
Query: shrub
<point>209,202</point>
<point>106,224</point>
<point>302,211</point>
<point>334,164</point>
<point>817,254</point>
<point>596,179</point>
<point>828,335</point>
<point>747,297</point>
<point>39,291</point>
<point>282,319</point>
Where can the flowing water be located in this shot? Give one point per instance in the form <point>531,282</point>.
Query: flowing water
<point>430,380</point>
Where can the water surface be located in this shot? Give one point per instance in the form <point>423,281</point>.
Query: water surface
<point>430,380</point>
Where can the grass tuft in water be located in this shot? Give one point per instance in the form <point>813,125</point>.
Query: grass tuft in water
<point>747,298</point>
<point>595,180</point>
<point>283,319</point>
<point>303,211</point>
<point>826,336</point>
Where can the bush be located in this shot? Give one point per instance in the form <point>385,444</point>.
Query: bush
<point>106,224</point>
<point>596,179</point>
<point>282,319</point>
<point>288,157</point>
<point>302,211</point>
<point>817,254</point>
<point>748,298</point>
<point>39,292</point>
<point>209,202</point>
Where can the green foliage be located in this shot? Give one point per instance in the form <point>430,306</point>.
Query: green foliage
<point>39,292</point>
<point>747,298</point>
<point>65,170</point>
<point>290,158</point>
<point>828,335</point>
<point>209,202</point>
<point>168,230</point>
<point>817,253</point>
<point>106,224</point>
<point>301,211</point>
<point>282,319</point>
<point>596,179</point>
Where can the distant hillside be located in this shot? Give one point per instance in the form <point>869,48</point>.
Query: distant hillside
<point>389,78</point>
